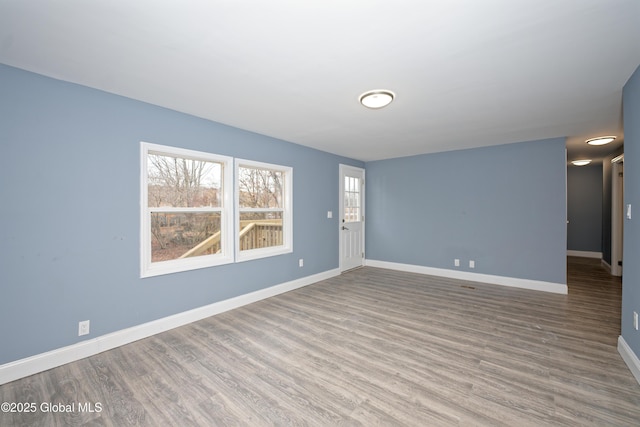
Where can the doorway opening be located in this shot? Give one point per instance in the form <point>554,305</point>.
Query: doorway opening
<point>617,214</point>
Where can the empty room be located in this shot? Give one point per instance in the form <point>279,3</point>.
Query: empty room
<point>320,213</point>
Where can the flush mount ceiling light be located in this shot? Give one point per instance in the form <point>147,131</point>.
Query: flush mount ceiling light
<point>581,162</point>
<point>378,98</point>
<point>601,140</point>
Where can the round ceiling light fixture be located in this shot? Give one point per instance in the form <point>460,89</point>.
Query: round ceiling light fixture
<point>601,140</point>
<point>378,98</point>
<point>581,162</point>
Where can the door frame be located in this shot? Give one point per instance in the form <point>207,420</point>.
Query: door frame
<point>341,174</point>
<point>617,212</point>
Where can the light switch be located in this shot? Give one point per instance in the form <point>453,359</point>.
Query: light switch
<point>329,214</point>
<point>629,211</point>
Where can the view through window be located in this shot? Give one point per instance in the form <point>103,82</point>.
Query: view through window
<point>264,209</point>
<point>185,213</point>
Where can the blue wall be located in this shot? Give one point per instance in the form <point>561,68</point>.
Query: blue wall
<point>630,266</point>
<point>502,206</point>
<point>584,207</point>
<point>69,188</point>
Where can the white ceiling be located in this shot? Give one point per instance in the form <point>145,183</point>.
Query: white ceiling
<point>467,73</point>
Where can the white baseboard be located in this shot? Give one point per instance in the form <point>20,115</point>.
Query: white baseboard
<point>41,362</point>
<point>536,285</point>
<point>629,357</point>
<point>585,254</point>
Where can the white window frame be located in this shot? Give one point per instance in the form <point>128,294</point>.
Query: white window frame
<point>287,213</point>
<point>149,268</point>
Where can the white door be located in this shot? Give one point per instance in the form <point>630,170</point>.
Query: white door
<point>351,217</point>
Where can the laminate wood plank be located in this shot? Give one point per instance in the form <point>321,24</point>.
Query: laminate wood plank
<point>369,347</point>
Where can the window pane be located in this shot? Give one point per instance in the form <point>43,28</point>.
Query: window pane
<point>177,235</point>
<point>181,182</point>
<point>260,230</point>
<point>351,199</point>
<point>260,188</point>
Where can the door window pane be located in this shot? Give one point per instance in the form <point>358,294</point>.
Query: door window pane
<point>351,199</point>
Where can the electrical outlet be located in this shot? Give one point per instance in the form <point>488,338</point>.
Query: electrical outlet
<point>456,262</point>
<point>472,264</point>
<point>83,328</point>
<point>300,262</point>
<point>635,320</point>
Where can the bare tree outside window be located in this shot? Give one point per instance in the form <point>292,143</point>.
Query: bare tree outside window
<point>261,206</point>
<point>260,188</point>
<point>177,187</point>
<point>186,212</point>
<point>179,182</point>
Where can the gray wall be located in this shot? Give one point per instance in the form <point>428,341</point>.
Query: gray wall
<point>502,206</point>
<point>70,173</point>
<point>584,208</point>
<point>631,267</point>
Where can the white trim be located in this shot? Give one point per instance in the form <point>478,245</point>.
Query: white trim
<point>605,265</point>
<point>629,357</point>
<point>618,159</point>
<point>41,362</point>
<point>536,285</point>
<point>585,254</point>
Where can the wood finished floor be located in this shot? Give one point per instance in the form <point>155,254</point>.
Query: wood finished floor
<point>370,347</point>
